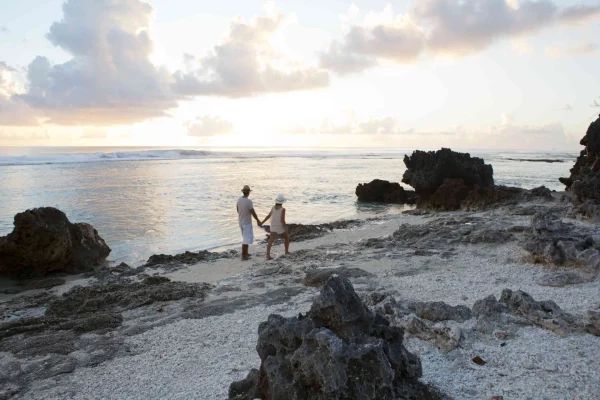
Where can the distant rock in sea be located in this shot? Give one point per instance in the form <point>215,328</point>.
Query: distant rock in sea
<point>446,180</point>
<point>44,240</point>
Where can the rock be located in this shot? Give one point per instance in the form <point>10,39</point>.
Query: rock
<point>488,307</point>
<point>318,277</point>
<point>381,191</point>
<point>561,279</point>
<point>188,258</point>
<point>552,241</point>
<point>481,198</point>
<point>427,171</point>
<point>542,191</point>
<point>44,240</point>
<point>445,338</point>
<point>44,283</point>
<point>439,311</point>
<point>584,181</point>
<point>449,195</point>
<point>494,315</point>
<point>338,350</point>
<point>124,296</point>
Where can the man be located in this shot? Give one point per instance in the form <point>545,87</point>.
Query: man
<point>245,210</point>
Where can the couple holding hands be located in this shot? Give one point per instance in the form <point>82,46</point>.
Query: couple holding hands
<point>245,210</point>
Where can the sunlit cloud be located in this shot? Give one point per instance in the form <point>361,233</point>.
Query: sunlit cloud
<point>245,64</point>
<point>444,27</point>
<point>5,136</point>
<point>13,112</point>
<point>578,14</point>
<point>208,126</point>
<point>572,50</point>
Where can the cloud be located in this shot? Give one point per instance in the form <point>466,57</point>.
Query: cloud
<point>13,112</point>
<point>573,50</point>
<point>371,126</point>
<point>110,78</point>
<point>246,64</point>
<point>4,136</point>
<point>447,27</point>
<point>580,13</point>
<point>567,107</point>
<point>4,29</point>
<point>94,133</point>
<point>209,126</point>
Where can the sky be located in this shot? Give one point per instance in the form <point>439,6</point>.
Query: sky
<point>480,74</point>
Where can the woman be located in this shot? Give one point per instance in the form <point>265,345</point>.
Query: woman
<point>278,225</point>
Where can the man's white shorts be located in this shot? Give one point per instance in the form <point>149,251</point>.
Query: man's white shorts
<point>247,234</point>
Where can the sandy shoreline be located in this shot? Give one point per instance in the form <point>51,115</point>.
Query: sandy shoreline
<point>194,348</point>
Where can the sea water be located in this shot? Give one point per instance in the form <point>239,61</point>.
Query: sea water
<point>145,201</point>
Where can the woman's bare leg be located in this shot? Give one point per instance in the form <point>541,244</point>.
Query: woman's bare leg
<point>272,237</point>
<point>286,237</point>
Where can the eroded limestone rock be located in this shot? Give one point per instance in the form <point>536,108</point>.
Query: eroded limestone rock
<point>339,350</point>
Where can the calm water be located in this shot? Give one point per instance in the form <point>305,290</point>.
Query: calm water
<point>147,201</point>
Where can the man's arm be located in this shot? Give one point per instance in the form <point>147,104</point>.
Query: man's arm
<point>255,217</point>
<point>283,218</point>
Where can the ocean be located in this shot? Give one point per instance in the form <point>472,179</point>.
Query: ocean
<point>145,201</point>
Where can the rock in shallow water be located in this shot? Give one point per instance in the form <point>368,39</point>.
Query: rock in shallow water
<point>339,350</point>
<point>44,240</point>
<point>380,191</point>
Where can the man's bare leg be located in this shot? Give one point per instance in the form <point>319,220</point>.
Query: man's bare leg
<point>245,252</point>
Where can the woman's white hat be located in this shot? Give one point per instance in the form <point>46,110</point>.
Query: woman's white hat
<point>280,199</point>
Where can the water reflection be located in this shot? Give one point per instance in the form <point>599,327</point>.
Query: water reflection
<point>147,207</point>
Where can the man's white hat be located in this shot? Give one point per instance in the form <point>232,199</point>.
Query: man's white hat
<point>280,199</point>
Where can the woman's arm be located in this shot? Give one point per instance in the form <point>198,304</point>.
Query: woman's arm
<point>267,217</point>
<point>283,218</point>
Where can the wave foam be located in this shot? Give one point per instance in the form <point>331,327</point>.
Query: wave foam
<point>141,155</point>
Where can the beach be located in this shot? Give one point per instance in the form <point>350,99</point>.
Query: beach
<point>189,348</point>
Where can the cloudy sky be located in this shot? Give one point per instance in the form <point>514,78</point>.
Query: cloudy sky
<point>407,73</point>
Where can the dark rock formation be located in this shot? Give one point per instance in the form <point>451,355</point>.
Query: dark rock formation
<point>318,277</point>
<point>339,350</point>
<point>301,232</point>
<point>584,180</point>
<point>427,171</point>
<point>439,311</point>
<point>380,191</point>
<point>446,180</point>
<point>44,240</point>
<point>124,296</point>
<point>188,258</point>
<point>542,191</point>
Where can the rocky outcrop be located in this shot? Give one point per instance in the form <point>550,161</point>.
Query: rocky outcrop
<point>44,240</point>
<point>380,191</point>
<point>188,258</point>
<point>301,232</point>
<point>319,276</point>
<point>427,171</point>
<point>524,309</point>
<point>446,180</point>
<point>125,296</point>
<point>339,350</point>
<point>552,241</point>
<point>584,182</point>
